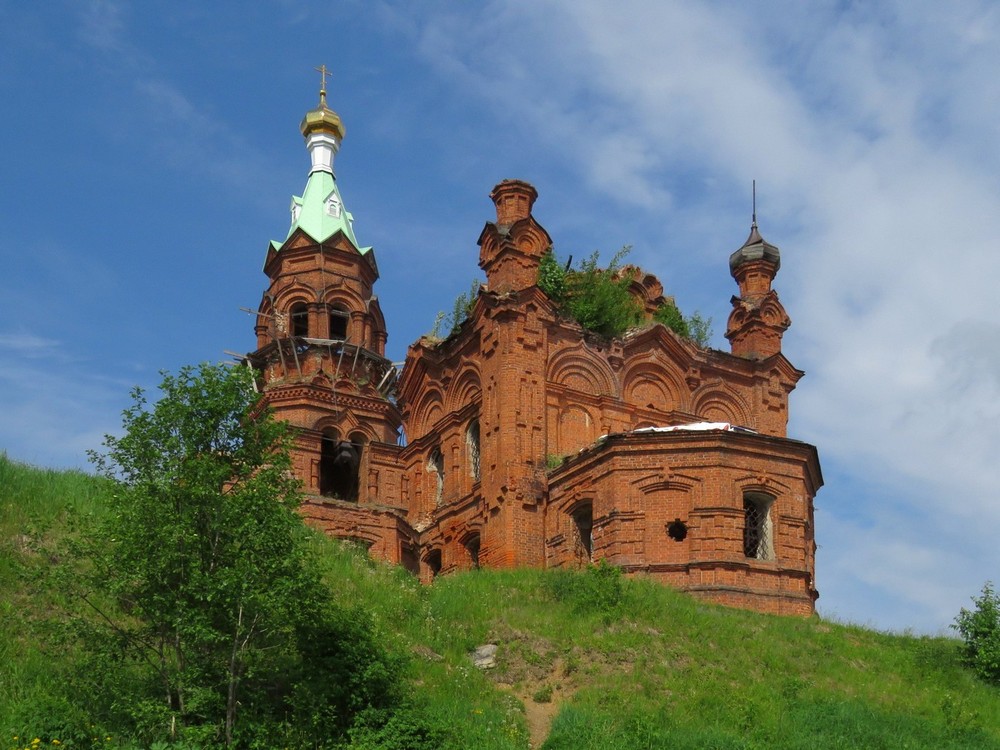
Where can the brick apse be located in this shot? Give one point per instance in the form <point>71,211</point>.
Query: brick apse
<point>530,442</point>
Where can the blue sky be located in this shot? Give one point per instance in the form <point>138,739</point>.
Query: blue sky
<point>149,151</point>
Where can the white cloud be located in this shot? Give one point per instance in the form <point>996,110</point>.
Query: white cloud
<point>28,345</point>
<point>55,412</point>
<point>102,25</point>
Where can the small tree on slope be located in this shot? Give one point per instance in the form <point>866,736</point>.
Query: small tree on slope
<point>205,580</point>
<point>980,629</point>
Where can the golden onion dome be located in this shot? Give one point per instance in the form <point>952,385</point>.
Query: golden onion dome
<point>322,119</point>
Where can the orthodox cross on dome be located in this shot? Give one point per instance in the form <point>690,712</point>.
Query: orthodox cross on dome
<point>323,72</point>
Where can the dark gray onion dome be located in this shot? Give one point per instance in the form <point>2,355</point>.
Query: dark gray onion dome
<point>755,248</point>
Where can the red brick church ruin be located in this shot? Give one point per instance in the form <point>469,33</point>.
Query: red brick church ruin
<point>672,458</point>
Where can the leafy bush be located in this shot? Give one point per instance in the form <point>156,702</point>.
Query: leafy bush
<point>596,298</point>
<point>980,630</point>
<point>600,300</point>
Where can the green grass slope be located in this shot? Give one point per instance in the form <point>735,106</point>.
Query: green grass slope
<point>584,660</point>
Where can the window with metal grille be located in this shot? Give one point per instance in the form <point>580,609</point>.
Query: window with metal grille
<point>472,441</point>
<point>758,541</point>
<point>435,465</point>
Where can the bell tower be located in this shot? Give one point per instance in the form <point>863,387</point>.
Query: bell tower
<point>321,334</point>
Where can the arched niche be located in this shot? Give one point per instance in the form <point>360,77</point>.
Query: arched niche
<point>579,370</point>
<point>465,389</point>
<point>428,411</point>
<point>717,404</point>
<point>654,383</point>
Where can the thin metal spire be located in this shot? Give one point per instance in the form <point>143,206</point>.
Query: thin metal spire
<point>323,72</point>
<point>753,189</point>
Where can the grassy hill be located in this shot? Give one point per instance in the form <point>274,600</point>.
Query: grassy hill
<point>584,660</point>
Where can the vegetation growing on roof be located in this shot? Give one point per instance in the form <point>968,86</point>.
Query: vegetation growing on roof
<point>447,324</point>
<point>600,300</point>
<point>693,327</point>
<point>597,298</point>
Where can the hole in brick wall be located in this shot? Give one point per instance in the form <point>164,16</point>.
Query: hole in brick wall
<point>677,530</point>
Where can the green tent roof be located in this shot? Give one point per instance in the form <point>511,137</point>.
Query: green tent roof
<point>320,212</point>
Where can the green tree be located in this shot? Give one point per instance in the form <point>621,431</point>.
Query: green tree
<point>212,613</point>
<point>980,630</point>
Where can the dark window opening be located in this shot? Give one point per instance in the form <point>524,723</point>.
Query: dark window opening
<point>300,320</point>
<point>435,465</point>
<point>583,522</point>
<point>757,537</point>
<point>472,440</point>
<point>677,530</point>
<point>472,548</point>
<point>433,560</point>
<point>339,464</point>
<point>408,559</point>
<point>338,324</point>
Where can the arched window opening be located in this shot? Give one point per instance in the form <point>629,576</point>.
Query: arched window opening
<point>300,319</point>
<point>433,560</point>
<point>583,524</point>
<point>408,558</point>
<point>435,466</point>
<point>471,545</point>
<point>338,324</point>
<point>359,543</point>
<point>758,536</point>
<point>472,442</point>
<point>339,463</point>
